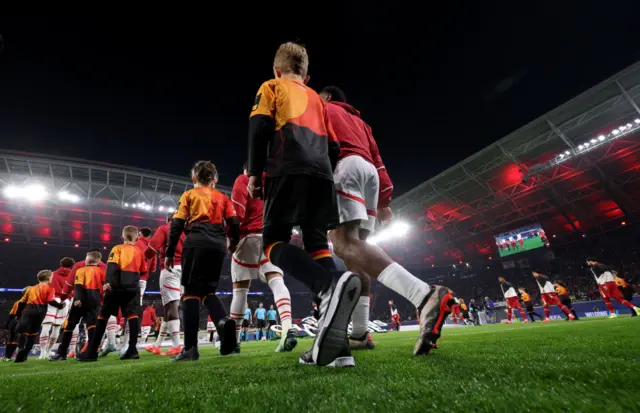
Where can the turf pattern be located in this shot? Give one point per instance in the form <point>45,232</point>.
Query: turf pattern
<point>585,366</point>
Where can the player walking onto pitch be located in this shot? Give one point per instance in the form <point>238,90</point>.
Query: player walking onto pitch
<point>292,142</point>
<point>249,263</point>
<point>364,193</point>
<point>86,303</point>
<point>170,288</point>
<point>54,318</point>
<point>511,297</point>
<point>563,296</point>
<point>395,316</point>
<point>202,214</point>
<point>32,309</point>
<point>122,291</point>
<point>608,287</point>
<point>10,325</point>
<point>528,304</point>
<point>625,289</point>
<point>549,296</point>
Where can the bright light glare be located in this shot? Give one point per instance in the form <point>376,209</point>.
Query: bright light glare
<point>396,230</point>
<point>66,196</point>
<point>32,193</point>
<point>601,138</point>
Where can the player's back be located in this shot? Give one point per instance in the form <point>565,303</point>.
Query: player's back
<point>353,134</point>
<point>38,297</point>
<point>59,281</point>
<point>90,278</point>
<point>300,144</point>
<point>249,209</point>
<point>129,265</point>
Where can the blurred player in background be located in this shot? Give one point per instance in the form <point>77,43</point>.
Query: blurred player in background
<point>455,313</point>
<point>54,318</point>
<point>86,303</point>
<point>202,214</point>
<point>10,325</point>
<point>148,321</point>
<point>511,297</point>
<point>549,295</point>
<point>122,291</point>
<point>625,289</point>
<point>395,316</point>
<point>249,263</point>
<point>528,304</point>
<point>170,288</point>
<point>32,309</point>
<point>272,320</point>
<point>563,296</point>
<point>261,319</point>
<point>246,322</point>
<point>608,287</point>
<point>364,190</point>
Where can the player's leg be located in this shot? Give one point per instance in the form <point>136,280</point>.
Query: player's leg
<point>29,330</point>
<point>110,305</point>
<point>12,339</point>
<point>75,314</point>
<point>522,313</point>
<point>554,300</point>
<point>614,292</point>
<point>45,332</point>
<point>130,305</point>
<point>509,315</point>
<point>282,298</point>
<point>109,345</point>
<point>243,262</point>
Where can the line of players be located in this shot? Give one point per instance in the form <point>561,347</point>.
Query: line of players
<point>315,164</point>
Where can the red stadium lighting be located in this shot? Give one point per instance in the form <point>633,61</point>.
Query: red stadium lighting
<point>624,222</point>
<point>433,265</point>
<point>490,258</point>
<point>45,243</point>
<point>76,245</point>
<point>7,240</point>
<point>459,262</point>
<point>104,248</point>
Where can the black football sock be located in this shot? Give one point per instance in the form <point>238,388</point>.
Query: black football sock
<point>9,350</point>
<point>191,309</point>
<point>134,330</point>
<point>91,332</point>
<point>29,342</point>
<point>22,341</point>
<point>63,348</point>
<point>101,327</point>
<point>297,262</point>
<point>215,307</point>
<point>327,263</point>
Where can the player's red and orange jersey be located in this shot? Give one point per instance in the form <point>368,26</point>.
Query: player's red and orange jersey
<point>159,242</point>
<point>39,294</point>
<point>561,290</point>
<point>301,139</point>
<point>59,281</point>
<point>464,307</point>
<point>525,297</point>
<point>71,278</point>
<point>148,317</point>
<point>249,210</point>
<point>621,282</point>
<point>14,308</point>
<point>129,265</point>
<point>90,277</point>
<point>204,205</point>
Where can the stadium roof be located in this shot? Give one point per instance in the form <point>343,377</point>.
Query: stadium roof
<point>59,201</point>
<point>573,170</point>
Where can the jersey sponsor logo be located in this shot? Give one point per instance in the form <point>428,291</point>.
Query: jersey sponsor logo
<point>256,102</point>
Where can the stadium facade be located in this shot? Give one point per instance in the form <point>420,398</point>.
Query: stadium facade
<point>54,201</point>
<point>574,170</point>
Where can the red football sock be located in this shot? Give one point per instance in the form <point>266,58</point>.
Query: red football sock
<point>609,306</point>
<point>509,313</point>
<point>524,316</point>
<point>628,304</point>
<point>547,313</point>
<point>565,309</point>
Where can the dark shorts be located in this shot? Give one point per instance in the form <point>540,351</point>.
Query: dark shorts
<point>30,321</point>
<point>126,300</point>
<point>565,299</point>
<point>245,323</point>
<point>12,329</point>
<point>201,267</point>
<point>262,323</point>
<point>88,313</point>
<point>300,200</point>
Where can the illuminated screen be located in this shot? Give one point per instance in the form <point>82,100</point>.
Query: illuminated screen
<point>521,239</point>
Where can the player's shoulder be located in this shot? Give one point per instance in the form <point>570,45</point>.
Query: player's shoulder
<point>242,179</point>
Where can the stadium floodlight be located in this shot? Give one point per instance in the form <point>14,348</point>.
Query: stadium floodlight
<point>601,138</point>
<point>161,208</point>
<point>126,205</point>
<point>31,193</point>
<point>66,196</point>
<point>395,230</point>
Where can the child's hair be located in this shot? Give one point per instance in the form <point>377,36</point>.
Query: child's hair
<point>94,256</point>
<point>337,95</point>
<point>292,58</point>
<point>67,262</point>
<point>44,275</point>
<point>205,172</point>
<point>146,232</point>
<point>130,233</point>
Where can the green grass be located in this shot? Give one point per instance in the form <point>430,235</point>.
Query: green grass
<point>529,244</point>
<point>585,366</point>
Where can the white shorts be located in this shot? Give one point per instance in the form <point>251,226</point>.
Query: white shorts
<point>249,262</point>
<point>211,326</point>
<point>171,284</point>
<point>357,185</point>
<point>145,330</point>
<point>56,316</point>
<point>143,287</point>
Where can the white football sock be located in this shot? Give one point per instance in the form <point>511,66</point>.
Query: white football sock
<point>173,328</point>
<point>237,309</point>
<point>360,317</point>
<point>44,340</point>
<point>112,327</point>
<point>74,338</point>
<point>404,283</point>
<point>162,335</point>
<point>282,299</point>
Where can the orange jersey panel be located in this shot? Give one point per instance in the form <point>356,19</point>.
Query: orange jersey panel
<point>204,205</point>
<point>38,294</point>
<point>129,258</point>
<point>14,308</point>
<point>561,290</point>
<point>90,277</point>
<point>526,297</point>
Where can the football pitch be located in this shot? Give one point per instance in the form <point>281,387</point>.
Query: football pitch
<point>588,366</point>
<point>529,244</point>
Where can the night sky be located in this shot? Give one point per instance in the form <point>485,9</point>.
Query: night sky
<point>159,88</point>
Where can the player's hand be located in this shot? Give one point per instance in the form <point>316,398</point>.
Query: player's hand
<point>384,215</point>
<point>254,187</point>
<point>77,303</point>
<point>168,264</point>
<point>106,288</point>
<point>231,246</point>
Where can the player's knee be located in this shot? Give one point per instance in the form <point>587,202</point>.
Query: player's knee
<point>242,284</point>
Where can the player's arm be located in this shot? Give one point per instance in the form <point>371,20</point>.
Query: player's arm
<point>332,141</point>
<point>22,303</point>
<point>80,278</point>
<point>51,301</point>
<point>177,225</point>
<point>386,186</point>
<point>261,127</point>
<point>156,243</point>
<point>239,197</point>
<point>143,269</point>
<point>233,222</point>
<point>113,266</point>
